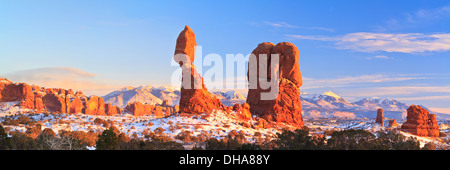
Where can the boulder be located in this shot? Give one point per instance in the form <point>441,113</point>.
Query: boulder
<point>420,122</point>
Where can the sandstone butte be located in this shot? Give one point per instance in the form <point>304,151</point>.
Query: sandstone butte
<point>194,98</point>
<point>55,100</point>
<point>379,118</point>
<point>420,122</point>
<point>286,107</point>
<point>139,109</point>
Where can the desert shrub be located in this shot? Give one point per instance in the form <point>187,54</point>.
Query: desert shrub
<point>21,141</point>
<point>351,140</point>
<point>23,119</point>
<point>184,136</point>
<point>123,138</point>
<point>297,140</point>
<point>5,142</point>
<point>195,147</point>
<point>102,122</point>
<point>214,144</point>
<point>159,130</point>
<point>394,141</point>
<point>108,140</point>
<point>328,132</point>
<point>248,146</point>
<point>115,130</point>
<point>48,132</point>
<point>429,146</point>
<point>33,132</point>
<point>47,141</point>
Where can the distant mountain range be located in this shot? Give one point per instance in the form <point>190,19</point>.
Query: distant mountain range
<point>315,106</point>
<point>331,105</point>
<point>156,95</point>
<point>143,94</point>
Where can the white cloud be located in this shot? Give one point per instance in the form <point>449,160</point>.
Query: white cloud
<point>280,24</point>
<point>401,90</point>
<point>418,18</point>
<point>379,57</point>
<point>312,83</point>
<point>286,25</point>
<point>427,14</point>
<point>441,110</point>
<point>424,98</point>
<point>398,42</point>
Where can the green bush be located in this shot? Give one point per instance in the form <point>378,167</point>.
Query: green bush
<point>297,140</point>
<point>108,140</point>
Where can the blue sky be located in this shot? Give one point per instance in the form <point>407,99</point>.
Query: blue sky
<point>389,49</point>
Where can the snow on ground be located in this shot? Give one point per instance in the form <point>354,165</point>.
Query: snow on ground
<point>217,125</point>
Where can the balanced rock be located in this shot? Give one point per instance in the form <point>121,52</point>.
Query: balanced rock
<point>420,122</point>
<point>286,105</point>
<point>195,98</point>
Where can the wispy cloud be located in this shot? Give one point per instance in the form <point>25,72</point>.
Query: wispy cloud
<point>395,42</point>
<point>406,90</point>
<point>424,98</point>
<point>63,77</point>
<point>441,110</point>
<point>427,14</point>
<point>379,57</point>
<point>415,18</point>
<point>312,83</point>
<point>286,25</point>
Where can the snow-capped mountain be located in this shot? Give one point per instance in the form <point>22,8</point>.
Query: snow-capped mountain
<point>143,94</point>
<point>330,104</point>
<point>230,98</point>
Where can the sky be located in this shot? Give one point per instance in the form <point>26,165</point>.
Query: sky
<point>357,49</point>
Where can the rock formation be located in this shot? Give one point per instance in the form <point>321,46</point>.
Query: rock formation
<point>420,122</point>
<point>286,107</point>
<point>95,106</point>
<point>54,103</point>
<point>195,98</point>
<point>75,106</point>
<point>111,110</point>
<point>379,118</point>
<point>139,109</point>
<point>242,111</point>
<point>393,123</point>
